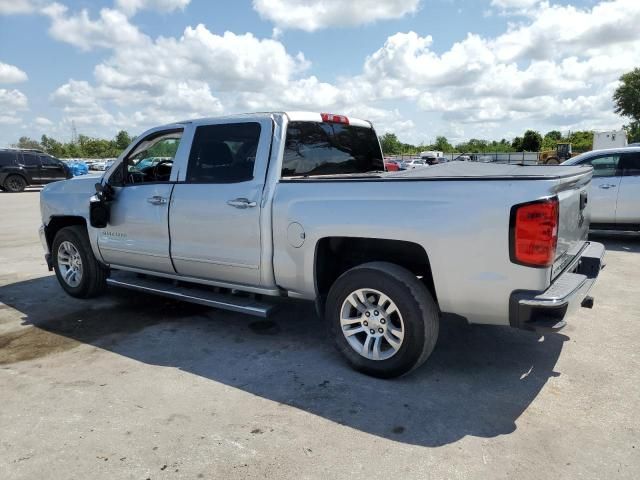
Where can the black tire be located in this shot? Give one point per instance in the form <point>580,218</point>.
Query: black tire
<point>14,183</point>
<point>552,161</point>
<point>93,281</point>
<point>420,316</point>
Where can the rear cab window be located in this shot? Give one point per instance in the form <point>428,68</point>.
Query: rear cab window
<point>314,149</point>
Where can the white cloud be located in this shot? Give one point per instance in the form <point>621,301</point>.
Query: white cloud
<point>318,14</point>
<point>111,29</point>
<point>11,74</point>
<point>193,75</point>
<point>12,102</point>
<point>13,7</point>
<point>43,122</point>
<point>130,7</point>
<point>514,4</point>
<point>556,31</point>
<point>542,72</point>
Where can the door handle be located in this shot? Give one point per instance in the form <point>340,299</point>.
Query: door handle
<point>606,186</point>
<point>241,203</point>
<point>157,200</point>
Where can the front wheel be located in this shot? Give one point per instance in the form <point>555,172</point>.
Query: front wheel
<point>382,319</point>
<point>77,270</point>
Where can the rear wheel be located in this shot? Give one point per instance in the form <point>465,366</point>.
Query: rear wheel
<point>552,161</point>
<point>14,183</point>
<point>77,270</point>
<point>382,319</point>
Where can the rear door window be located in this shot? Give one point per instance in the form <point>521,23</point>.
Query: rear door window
<point>50,161</point>
<point>630,164</point>
<point>30,160</point>
<point>314,148</point>
<point>224,153</point>
<point>604,166</point>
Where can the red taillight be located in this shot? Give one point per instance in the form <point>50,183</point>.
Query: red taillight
<point>534,233</point>
<point>331,118</point>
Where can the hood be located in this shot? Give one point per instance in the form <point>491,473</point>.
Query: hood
<point>81,184</point>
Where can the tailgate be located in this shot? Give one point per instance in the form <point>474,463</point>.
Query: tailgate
<point>573,226</point>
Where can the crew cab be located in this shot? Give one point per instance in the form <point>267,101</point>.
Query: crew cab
<point>247,207</point>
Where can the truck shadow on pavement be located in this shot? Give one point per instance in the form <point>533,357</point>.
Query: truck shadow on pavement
<point>478,381</point>
<point>617,241</point>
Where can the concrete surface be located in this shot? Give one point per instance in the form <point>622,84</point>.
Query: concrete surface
<point>132,386</point>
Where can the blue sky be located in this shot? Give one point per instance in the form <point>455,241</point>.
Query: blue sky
<point>420,68</point>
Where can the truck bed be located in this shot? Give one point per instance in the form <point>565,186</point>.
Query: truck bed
<point>488,171</point>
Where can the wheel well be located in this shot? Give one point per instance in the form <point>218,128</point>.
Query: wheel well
<point>58,223</point>
<point>336,255</point>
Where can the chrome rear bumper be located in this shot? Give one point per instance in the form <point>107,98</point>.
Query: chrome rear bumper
<point>546,311</point>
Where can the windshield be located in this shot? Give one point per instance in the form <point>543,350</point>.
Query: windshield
<point>314,148</point>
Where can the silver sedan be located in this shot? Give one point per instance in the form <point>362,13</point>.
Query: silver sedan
<point>615,188</point>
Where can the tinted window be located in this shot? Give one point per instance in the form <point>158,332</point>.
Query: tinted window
<point>630,164</point>
<point>603,166</point>
<point>7,158</point>
<point>314,148</point>
<point>30,160</point>
<point>223,153</point>
<point>49,161</point>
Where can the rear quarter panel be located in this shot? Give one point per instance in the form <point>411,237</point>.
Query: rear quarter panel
<point>463,225</point>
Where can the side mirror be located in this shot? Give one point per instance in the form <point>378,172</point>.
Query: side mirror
<point>104,192</point>
<point>100,205</point>
<point>99,213</point>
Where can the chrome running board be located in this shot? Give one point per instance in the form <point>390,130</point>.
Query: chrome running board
<point>191,293</point>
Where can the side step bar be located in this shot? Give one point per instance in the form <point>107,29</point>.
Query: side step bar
<point>193,294</point>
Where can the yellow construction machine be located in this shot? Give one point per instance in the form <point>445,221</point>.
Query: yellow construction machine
<point>555,157</point>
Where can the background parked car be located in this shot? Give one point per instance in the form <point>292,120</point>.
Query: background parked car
<point>414,163</point>
<point>21,168</point>
<point>391,165</point>
<point>615,188</point>
<point>78,167</point>
<point>431,159</point>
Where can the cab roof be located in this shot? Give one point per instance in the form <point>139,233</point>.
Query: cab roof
<point>293,116</point>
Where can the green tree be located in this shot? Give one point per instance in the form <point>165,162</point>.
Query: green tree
<point>390,144</point>
<point>442,145</point>
<point>52,146</point>
<point>532,141</point>
<point>26,142</point>
<point>581,141</point>
<point>551,139</point>
<point>516,145</point>
<point>627,95</point>
<point>123,139</point>
<point>554,135</point>
<point>633,132</point>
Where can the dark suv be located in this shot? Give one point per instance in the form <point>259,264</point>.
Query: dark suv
<point>19,168</point>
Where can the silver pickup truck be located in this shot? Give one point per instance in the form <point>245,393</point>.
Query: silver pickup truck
<point>231,211</point>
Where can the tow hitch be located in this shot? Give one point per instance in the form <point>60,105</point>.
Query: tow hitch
<point>587,302</point>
